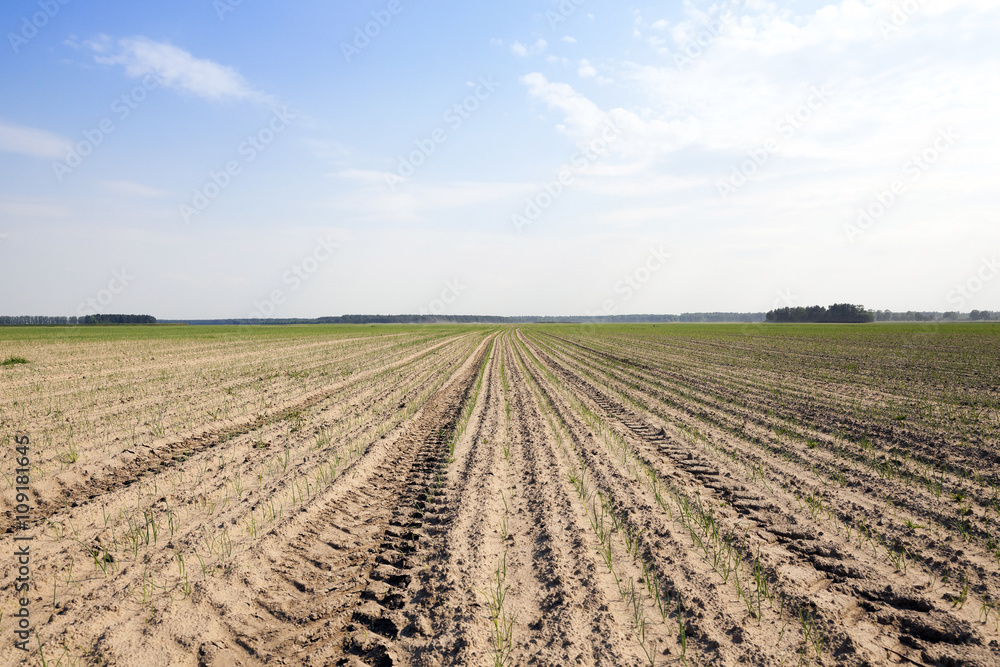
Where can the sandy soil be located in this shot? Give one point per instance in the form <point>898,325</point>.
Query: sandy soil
<point>506,498</point>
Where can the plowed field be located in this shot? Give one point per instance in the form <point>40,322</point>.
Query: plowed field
<point>551,495</point>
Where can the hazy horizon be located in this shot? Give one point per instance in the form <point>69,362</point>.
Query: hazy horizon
<point>221,159</point>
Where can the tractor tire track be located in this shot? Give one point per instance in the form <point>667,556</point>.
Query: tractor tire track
<point>149,460</point>
<point>900,620</point>
<point>346,587</point>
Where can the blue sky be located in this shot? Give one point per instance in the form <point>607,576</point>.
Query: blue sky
<point>497,158</point>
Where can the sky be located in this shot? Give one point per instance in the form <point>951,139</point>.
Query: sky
<point>237,158</point>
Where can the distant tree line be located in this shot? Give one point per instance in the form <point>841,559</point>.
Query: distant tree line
<point>611,319</point>
<point>836,313</point>
<point>117,319</point>
<point>364,319</point>
<point>843,313</point>
<point>908,316</point>
<point>487,319</point>
<point>931,316</point>
<point>422,319</point>
<point>722,317</point>
<point>46,320</point>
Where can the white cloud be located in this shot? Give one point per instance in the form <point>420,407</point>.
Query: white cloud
<point>522,51</point>
<point>587,71</point>
<point>101,44</point>
<point>176,68</point>
<point>734,93</point>
<point>31,142</point>
<point>583,120</point>
<point>569,40</point>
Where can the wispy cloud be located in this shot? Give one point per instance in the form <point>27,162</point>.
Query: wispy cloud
<point>588,71</point>
<point>176,68</point>
<point>523,51</point>
<point>878,112</point>
<point>31,142</point>
<point>583,116</point>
